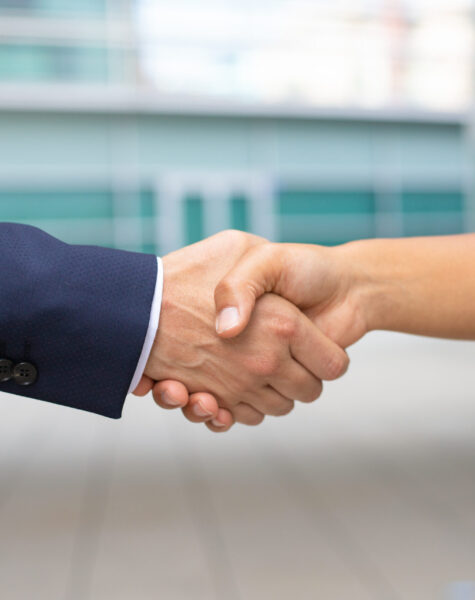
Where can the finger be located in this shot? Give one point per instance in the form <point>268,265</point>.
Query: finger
<point>245,414</point>
<point>201,407</point>
<point>256,273</point>
<point>269,401</point>
<point>144,386</point>
<point>296,382</point>
<point>316,352</point>
<point>223,422</point>
<point>170,394</point>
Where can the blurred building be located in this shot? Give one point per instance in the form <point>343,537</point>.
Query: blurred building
<point>147,125</point>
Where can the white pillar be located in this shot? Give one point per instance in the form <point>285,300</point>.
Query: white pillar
<point>216,195</point>
<point>263,207</point>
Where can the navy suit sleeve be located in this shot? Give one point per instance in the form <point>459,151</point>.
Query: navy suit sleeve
<point>79,314</point>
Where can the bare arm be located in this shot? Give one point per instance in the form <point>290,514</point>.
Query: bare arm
<point>424,286</point>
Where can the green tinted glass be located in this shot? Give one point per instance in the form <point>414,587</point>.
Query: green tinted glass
<point>424,201</point>
<point>325,217</point>
<point>239,214</point>
<point>43,63</point>
<point>194,225</point>
<point>308,202</point>
<point>17,205</point>
<point>56,7</point>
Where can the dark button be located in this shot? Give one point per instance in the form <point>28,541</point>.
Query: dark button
<point>25,373</point>
<point>6,370</point>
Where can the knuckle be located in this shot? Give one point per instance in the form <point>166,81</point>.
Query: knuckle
<point>230,234</point>
<point>337,365</point>
<point>266,366</point>
<point>285,327</point>
<point>235,234</point>
<point>236,238</point>
<point>267,250</point>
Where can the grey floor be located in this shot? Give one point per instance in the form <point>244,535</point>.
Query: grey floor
<point>369,494</point>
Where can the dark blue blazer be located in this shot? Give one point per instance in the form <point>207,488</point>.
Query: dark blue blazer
<point>78,314</point>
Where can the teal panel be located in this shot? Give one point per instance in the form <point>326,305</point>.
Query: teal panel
<point>313,144</point>
<point>147,203</point>
<point>54,7</point>
<point>89,7</point>
<point>312,202</point>
<point>239,214</point>
<point>325,216</point>
<point>429,146</point>
<point>149,249</point>
<point>194,225</point>
<point>43,63</point>
<point>319,230</point>
<point>333,237</point>
<point>147,212</point>
<point>67,142</point>
<point>17,205</point>
<point>430,201</point>
<point>433,224</point>
<point>205,142</point>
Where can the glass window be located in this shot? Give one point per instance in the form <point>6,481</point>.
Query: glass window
<point>52,63</point>
<point>55,204</point>
<point>56,7</point>
<point>194,219</point>
<point>325,217</point>
<point>433,212</point>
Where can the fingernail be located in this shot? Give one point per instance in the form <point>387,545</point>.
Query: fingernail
<point>169,400</point>
<point>217,423</point>
<point>201,411</point>
<point>227,319</point>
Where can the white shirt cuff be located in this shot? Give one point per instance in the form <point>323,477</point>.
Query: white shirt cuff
<point>152,328</point>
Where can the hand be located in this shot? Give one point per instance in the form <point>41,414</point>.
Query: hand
<point>421,286</point>
<point>322,282</point>
<point>280,357</point>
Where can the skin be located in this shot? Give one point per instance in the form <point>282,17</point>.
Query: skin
<point>279,358</point>
<point>422,286</point>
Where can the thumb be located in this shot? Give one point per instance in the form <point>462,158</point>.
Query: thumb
<point>256,273</point>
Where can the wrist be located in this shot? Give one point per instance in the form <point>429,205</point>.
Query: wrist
<point>186,320</point>
<point>371,287</point>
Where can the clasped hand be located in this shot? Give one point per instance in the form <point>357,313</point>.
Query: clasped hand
<point>247,328</point>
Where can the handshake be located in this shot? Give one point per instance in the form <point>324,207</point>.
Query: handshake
<point>248,327</point>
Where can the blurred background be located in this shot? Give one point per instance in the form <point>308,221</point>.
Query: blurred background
<point>150,124</point>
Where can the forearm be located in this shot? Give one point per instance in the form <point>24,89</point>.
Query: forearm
<point>423,286</point>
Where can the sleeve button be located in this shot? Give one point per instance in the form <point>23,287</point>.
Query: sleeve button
<point>6,370</point>
<point>25,373</point>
